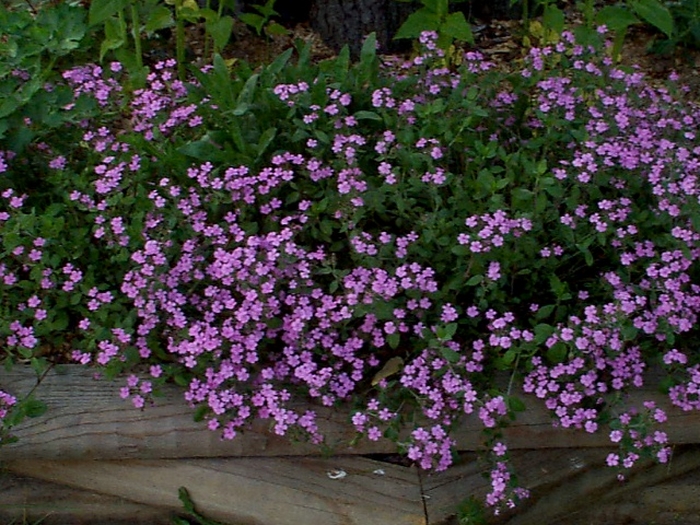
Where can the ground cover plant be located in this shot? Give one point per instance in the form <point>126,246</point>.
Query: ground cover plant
<point>382,237</point>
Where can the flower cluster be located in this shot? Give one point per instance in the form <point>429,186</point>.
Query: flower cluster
<point>301,234</point>
<point>505,492</point>
<point>631,432</point>
<point>6,402</point>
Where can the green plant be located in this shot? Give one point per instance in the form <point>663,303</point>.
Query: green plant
<point>619,18</point>
<point>435,16</point>
<point>121,18</point>
<point>191,511</point>
<point>392,236</point>
<point>262,21</point>
<point>31,48</point>
<point>686,18</point>
<point>471,511</point>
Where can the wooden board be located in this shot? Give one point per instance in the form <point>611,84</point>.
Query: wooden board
<point>87,420</point>
<point>27,500</point>
<point>269,491</point>
<point>568,486</point>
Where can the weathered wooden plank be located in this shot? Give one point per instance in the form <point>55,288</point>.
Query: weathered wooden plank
<point>87,420</point>
<point>27,500</point>
<point>270,491</point>
<point>594,494</point>
<point>536,470</point>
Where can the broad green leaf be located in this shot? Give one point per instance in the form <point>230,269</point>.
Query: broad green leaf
<point>34,408</point>
<point>101,10</point>
<point>275,29</point>
<point>557,353</point>
<point>200,412</point>
<point>220,30</point>
<point>474,280</point>
<point>515,404</point>
<point>655,13</point>
<point>392,339</point>
<point>553,19</point>
<point>367,115</point>
<point>416,23</point>
<point>391,367</point>
<point>253,20</point>
<point>449,354</point>
<point>279,63</point>
<point>545,311</point>
<point>616,18</point>
<point>457,27</point>
<point>160,18</point>
<point>368,53</point>
<point>542,333</point>
<point>203,149</point>
<point>509,356</point>
<point>115,36</point>
<point>447,332</point>
<point>245,97</point>
<point>265,140</point>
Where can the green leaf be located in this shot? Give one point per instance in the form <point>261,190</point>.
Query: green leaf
<point>558,287</point>
<point>342,64</point>
<point>200,412</point>
<point>557,353</point>
<point>203,149</point>
<point>554,19</point>
<point>253,20</point>
<point>656,14</point>
<point>450,355</point>
<point>616,18</point>
<point>392,339</point>
<point>416,23</point>
<point>34,408</point>
<point>275,29</point>
<point>279,63</point>
<point>220,30</point>
<point>457,27</point>
<point>447,332</point>
<point>368,53</point>
<point>115,36</point>
<point>181,380</point>
<point>509,356</point>
<point>542,333</point>
<point>461,250</point>
<point>101,10</point>
<point>629,333</point>
<point>475,280</point>
<point>367,115</point>
<point>515,404</point>
<point>265,140</point>
<point>545,311</point>
<point>587,255</point>
<point>160,18</point>
<point>245,97</point>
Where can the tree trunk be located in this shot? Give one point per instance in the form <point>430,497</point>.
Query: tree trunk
<point>341,22</point>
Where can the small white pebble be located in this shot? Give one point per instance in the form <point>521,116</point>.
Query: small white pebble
<point>379,472</point>
<point>336,474</point>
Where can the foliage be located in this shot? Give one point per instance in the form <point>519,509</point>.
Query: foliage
<point>435,16</point>
<point>30,48</point>
<point>262,20</point>
<point>192,512</point>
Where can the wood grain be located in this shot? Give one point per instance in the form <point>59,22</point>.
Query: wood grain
<point>269,491</point>
<point>87,420</point>
<point>27,500</point>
